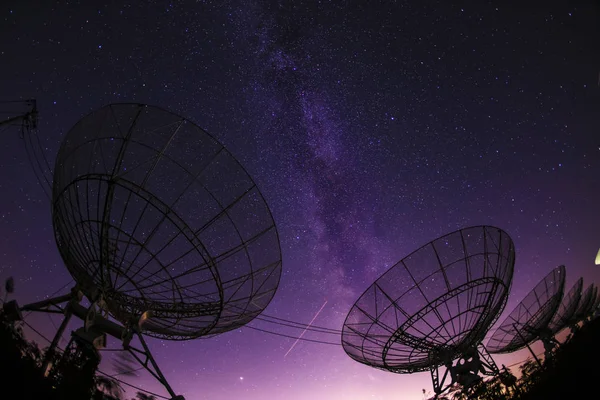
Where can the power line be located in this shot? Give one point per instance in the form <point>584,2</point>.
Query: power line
<point>50,296</point>
<point>38,332</point>
<point>33,160</point>
<point>298,325</point>
<point>292,337</point>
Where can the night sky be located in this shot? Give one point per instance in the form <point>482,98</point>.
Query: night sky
<point>370,130</point>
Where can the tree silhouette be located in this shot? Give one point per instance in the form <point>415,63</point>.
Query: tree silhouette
<point>20,361</point>
<point>72,373</point>
<point>144,396</point>
<point>107,388</point>
<point>529,375</point>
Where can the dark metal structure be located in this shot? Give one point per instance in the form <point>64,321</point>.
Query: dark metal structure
<point>151,213</point>
<point>587,299</point>
<point>567,308</point>
<point>21,113</point>
<point>530,318</point>
<point>594,311</point>
<point>589,310</point>
<point>586,304</point>
<point>163,230</point>
<point>434,307</point>
<point>595,304</point>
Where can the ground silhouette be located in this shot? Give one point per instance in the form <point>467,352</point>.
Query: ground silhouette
<point>21,373</point>
<point>570,374</point>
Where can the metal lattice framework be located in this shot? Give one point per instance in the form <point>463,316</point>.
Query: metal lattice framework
<point>151,213</point>
<point>524,324</point>
<point>433,305</point>
<point>562,318</point>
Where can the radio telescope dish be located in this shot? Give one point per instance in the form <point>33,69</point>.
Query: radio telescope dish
<point>592,303</point>
<point>531,316</point>
<point>597,302</point>
<point>585,304</point>
<point>154,217</point>
<point>567,308</point>
<point>587,310</point>
<point>596,307</point>
<point>433,306</point>
<point>598,258</point>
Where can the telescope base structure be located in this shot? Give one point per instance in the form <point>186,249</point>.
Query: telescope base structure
<point>573,329</point>
<point>81,358</point>
<point>550,344</point>
<point>465,371</point>
<point>86,342</point>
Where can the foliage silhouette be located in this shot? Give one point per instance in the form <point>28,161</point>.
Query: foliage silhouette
<point>107,388</point>
<point>21,362</point>
<point>144,396</point>
<point>570,374</point>
<point>72,375</point>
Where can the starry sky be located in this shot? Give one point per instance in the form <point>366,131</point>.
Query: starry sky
<point>371,128</point>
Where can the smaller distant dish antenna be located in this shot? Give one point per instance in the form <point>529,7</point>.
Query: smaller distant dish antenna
<point>593,312</point>
<point>593,304</point>
<point>585,304</point>
<point>598,258</point>
<point>567,308</point>
<point>561,319</point>
<point>587,310</point>
<point>531,317</point>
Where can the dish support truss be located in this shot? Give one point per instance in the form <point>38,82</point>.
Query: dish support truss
<point>94,332</point>
<point>464,371</point>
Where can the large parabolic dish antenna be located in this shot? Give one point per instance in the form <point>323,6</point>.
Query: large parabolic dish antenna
<point>524,324</point>
<point>598,258</point>
<point>151,213</point>
<point>567,308</point>
<point>435,304</point>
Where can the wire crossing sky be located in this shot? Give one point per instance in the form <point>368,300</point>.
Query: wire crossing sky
<point>371,128</point>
